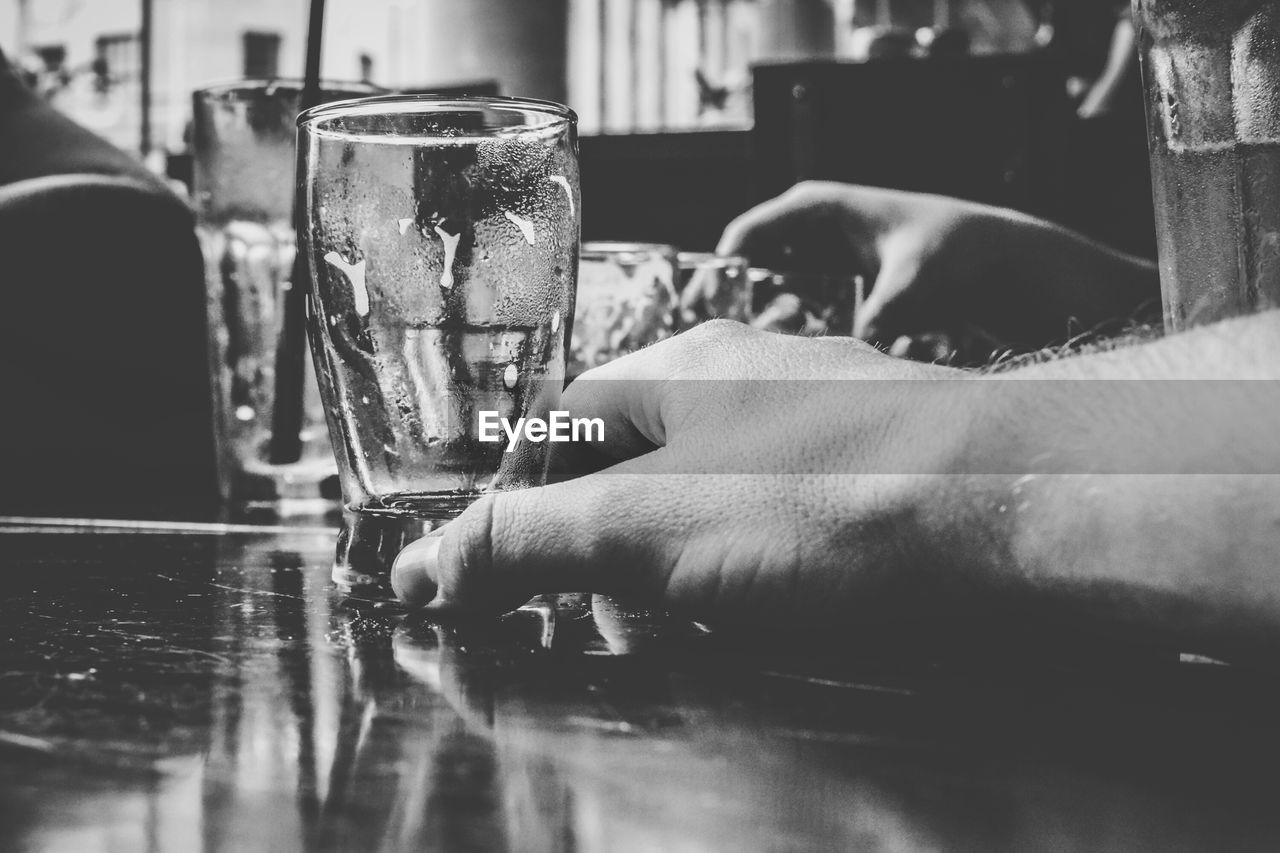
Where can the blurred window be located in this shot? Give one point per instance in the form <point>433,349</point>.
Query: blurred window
<point>261,54</point>
<point>117,59</point>
<point>52,57</point>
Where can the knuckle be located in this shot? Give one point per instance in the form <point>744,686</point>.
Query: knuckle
<point>701,351</point>
<point>717,328</point>
<point>731,236</point>
<point>806,191</point>
<point>710,335</point>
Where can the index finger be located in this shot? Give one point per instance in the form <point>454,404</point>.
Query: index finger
<point>766,227</point>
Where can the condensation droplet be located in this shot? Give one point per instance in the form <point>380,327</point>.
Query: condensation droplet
<point>509,376</point>
<point>525,226</point>
<point>568,191</point>
<point>244,413</point>
<point>355,275</point>
<point>450,252</point>
<point>555,322</point>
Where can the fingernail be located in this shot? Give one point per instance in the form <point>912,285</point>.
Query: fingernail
<point>411,573</point>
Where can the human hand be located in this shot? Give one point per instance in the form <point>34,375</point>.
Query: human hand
<point>723,490</point>
<point>941,264</point>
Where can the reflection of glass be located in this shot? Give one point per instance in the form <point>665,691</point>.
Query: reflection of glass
<point>712,286</point>
<point>626,300</point>
<point>243,184</point>
<point>1212,75</point>
<point>804,303</point>
<point>442,242</point>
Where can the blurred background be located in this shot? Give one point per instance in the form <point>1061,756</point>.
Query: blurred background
<point>691,110</point>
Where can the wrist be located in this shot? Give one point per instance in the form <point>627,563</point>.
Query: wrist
<point>949,497</point>
<point>1055,282</point>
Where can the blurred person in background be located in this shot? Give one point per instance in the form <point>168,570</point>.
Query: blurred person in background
<point>1107,180</point>
<point>1096,45</point>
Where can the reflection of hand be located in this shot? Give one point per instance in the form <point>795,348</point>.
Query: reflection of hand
<point>429,654</point>
<point>939,262</point>
<point>761,538</point>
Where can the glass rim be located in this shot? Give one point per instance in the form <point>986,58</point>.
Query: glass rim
<point>224,88</point>
<point>400,104</point>
<point>603,249</point>
<point>760,275</point>
<point>705,260</point>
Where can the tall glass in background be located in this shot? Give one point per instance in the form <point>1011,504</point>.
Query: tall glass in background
<point>442,243</point>
<point>244,138</point>
<point>1212,76</point>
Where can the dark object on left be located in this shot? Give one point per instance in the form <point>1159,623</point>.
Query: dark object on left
<point>103,370</point>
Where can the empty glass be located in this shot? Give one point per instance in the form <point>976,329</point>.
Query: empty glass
<point>442,244</point>
<point>243,182</point>
<point>713,286</point>
<point>801,303</point>
<point>626,300</point>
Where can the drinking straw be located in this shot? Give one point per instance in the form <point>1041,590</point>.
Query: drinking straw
<point>286,419</point>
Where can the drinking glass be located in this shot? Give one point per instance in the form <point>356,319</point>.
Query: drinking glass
<point>713,286</point>
<point>626,300</point>
<point>442,244</point>
<point>243,182</point>
<point>1212,77</point>
<point>804,303</point>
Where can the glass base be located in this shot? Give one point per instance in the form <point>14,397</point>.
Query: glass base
<point>425,505</point>
<point>367,548</point>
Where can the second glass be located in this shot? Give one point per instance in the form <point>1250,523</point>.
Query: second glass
<point>1212,79</point>
<point>442,241</point>
<point>243,137</point>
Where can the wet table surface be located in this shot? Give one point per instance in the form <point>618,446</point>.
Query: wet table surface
<point>213,691</point>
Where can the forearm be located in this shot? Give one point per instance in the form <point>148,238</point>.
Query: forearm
<point>1059,275</point>
<point>1144,507</point>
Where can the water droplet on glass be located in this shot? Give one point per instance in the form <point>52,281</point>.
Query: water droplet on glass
<point>509,376</point>
<point>355,275</point>
<point>525,226</point>
<point>450,252</point>
<point>244,413</point>
<point>568,191</point>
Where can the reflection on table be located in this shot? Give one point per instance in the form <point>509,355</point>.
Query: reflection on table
<point>212,690</point>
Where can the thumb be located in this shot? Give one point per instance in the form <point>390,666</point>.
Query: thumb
<point>892,308</point>
<point>510,546</point>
